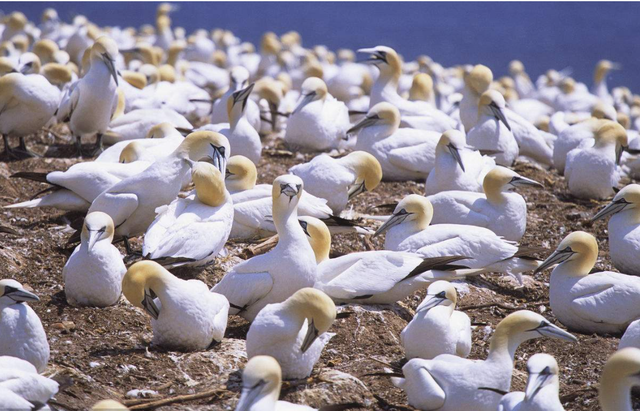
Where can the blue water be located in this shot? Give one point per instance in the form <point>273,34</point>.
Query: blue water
<point>542,35</point>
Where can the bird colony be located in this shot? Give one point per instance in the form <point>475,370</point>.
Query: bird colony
<point>194,222</point>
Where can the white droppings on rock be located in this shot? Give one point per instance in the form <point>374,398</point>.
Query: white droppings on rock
<point>141,394</point>
<point>94,364</point>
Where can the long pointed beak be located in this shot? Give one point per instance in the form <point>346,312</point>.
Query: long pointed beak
<point>308,98</point>
<point>619,150</point>
<point>94,236</point>
<point>456,155</point>
<point>557,257</point>
<point>524,181</point>
<point>111,66</point>
<point>393,221</point>
<point>534,385</point>
<point>374,56</point>
<point>364,123</point>
<point>22,295</point>
<point>355,189</point>
<point>612,208</point>
<point>219,160</point>
<point>554,331</point>
<point>499,114</point>
<point>150,307</point>
<point>243,95</point>
<point>310,337</point>
<point>289,190</point>
<point>433,302</point>
<point>248,396</point>
<point>616,66</point>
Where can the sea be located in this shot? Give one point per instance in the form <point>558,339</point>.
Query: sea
<point>543,35</point>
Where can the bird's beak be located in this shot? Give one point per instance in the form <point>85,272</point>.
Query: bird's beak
<point>310,337</point>
<point>364,123</point>
<point>289,190</point>
<point>228,174</point>
<point>499,114</point>
<point>456,155</point>
<point>111,66</point>
<point>249,395</point>
<point>619,150</point>
<point>94,236</point>
<point>308,98</point>
<point>615,66</point>
<point>219,160</point>
<point>517,181</point>
<point>375,56</point>
<point>149,306</point>
<point>557,257</point>
<point>553,331</point>
<point>242,95</point>
<point>433,302</point>
<point>20,295</point>
<point>355,189</point>
<point>612,208</point>
<point>393,221</point>
<point>535,384</point>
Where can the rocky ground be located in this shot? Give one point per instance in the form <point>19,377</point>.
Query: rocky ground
<point>107,352</point>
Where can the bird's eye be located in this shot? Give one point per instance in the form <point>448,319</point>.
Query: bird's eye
<point>441,294</point>
<point>402,212</point>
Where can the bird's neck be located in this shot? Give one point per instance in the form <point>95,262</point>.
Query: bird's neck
<point>496,196</point>
<point>287,225</point>
<point>577,268</point>
<point>616,395</point>
<point>503,346</point>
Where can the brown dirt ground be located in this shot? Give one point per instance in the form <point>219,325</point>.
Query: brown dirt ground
<point>107,351</point>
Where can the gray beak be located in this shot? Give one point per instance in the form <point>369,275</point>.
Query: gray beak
<point>557,257</point>
<point>612,208</point>
<point>306,99</point>
<point>549,330</point>
<point>366,122</point>
<point>94,236</point>
<point>249,395</point>
<point>619,150</point>
<point>499,115</point>
<point>517,181</point>
<point>111,66</point>
<point>149,306</point>
<point>393,221</point>
<point>456,155</point>
<point>219,160</point>
<point>434,301</point>
<point>356,189</point>
<point>535,383</point>
<point>289,190</point>
<point>242,96</point>
<point>312,335</point>
<point>376,56</point>
<point>19,294</point>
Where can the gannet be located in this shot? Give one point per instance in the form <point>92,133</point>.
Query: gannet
<point>319,122</point>
<point>294,332</point>
<point>93,274</point>
<point>91,103</point>
<point>275,276</point>
<point>22,333</point>
<point>523,84</point>
<point>244,139</point>
<point>15,363</point>
<point>570,138</point>
<point>385,89</point>
<point>409,231</point>
<point>160,141</point>
<point>338,180</point>
<point>624,229</point>
<point>36,389</point>
<point>185,315</point>
<point>238,79</point>
<point>75,188</point>
<point>437,328</point>
<point>27,103</point>
<point>138,123</point>
<point>403,153</point>
<point>605,302</point>
<point>619,376</point>
<point>252,203</point>
<point>631,337</point>
<point>132,202</point>
<point>492,130</point>
<point>374,277</point>
<point>593,171</point>
<point>457,167</point>
<point>498,209</point>
<point>600,80</point>
<point>573,98</point>
<point>532,142</point>
<point>451,383</point>
<point>192,230</point>
<point>541,392</point>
